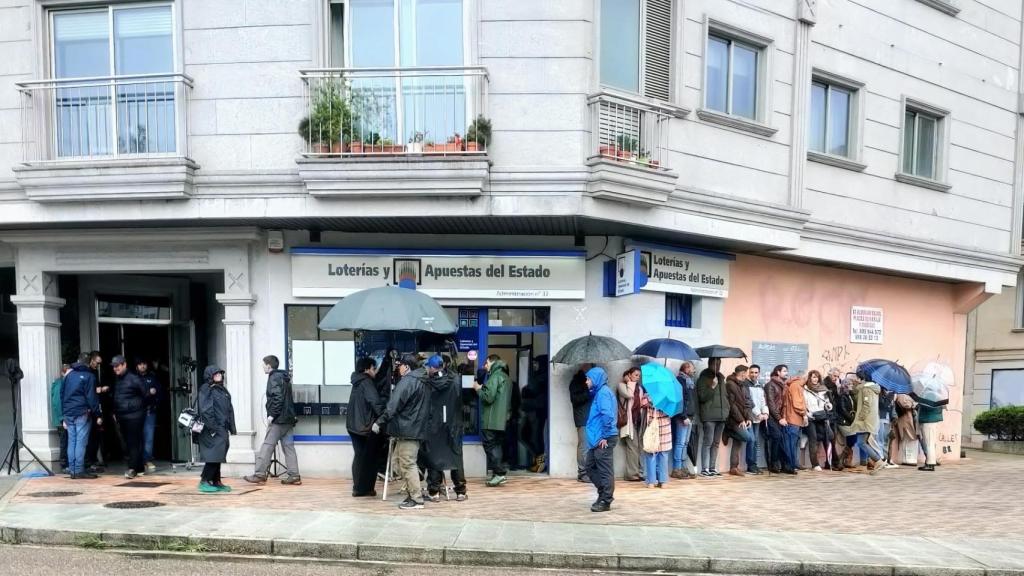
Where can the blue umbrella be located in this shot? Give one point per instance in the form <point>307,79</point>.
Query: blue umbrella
<point>661,385</point>
<point>887,374</point>
<point>666,348</point>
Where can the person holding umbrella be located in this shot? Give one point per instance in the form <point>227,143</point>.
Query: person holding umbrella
<point>683,425</point>
<point>714,411</point>
<point>602,436</point>
<point>656,451</point>
<point>931,391</point>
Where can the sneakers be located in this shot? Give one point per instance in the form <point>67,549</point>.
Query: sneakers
<point>461,497</point>
<point>150,467</point>
<point>410,504</point>
<point>890,466</point>
<point>927,468</point>
<point>130,474</point>
<point>292,481</point>
<point>816,469</point>
<point>678,474</point>
<point>222,487</point>
<point>600,507</point>
<point>207,488</point>
<point>714,473</point>
<point>436,498</point>
<point>706,473</point>
<point>754,471</point>
<point>498,481</point>
<point>255,479</point>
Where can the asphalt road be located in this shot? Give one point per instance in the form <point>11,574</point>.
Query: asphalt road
<point>32,561</point>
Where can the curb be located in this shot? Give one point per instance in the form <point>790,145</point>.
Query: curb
<point>319,550</point>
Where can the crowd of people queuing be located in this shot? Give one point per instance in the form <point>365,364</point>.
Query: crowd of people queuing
<point>840,423</point>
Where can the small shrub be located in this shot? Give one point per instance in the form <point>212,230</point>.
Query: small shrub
<point>1005,423</point>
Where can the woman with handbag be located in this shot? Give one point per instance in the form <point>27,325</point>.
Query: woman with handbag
<point>657,445</point>
<point>218,423</point>
<point>818,428</point>
<point>629,435</point>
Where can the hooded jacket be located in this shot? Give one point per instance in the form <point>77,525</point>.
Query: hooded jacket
<point>496,395</point>
<point>580,397</point>
<point>755,390</point>
<point>131,397</point>
<point>714,402</point>
<point>406,412</point>
<point>603,412</point>
<point>442,436</point>
<point>280,402</point>
<point>866,402</point>
<point>218,416</point>
<point>78,393</point>
<point>739,410</point>
<point>364,405</point>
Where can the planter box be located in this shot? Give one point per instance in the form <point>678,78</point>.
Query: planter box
<point>616,152</point>
<point>329,148</point>
<point>473,147</point>
<point>442,148</point>
<point>1003,446</point>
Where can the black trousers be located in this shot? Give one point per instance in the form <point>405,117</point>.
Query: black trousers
<point>776,451</point>
<point>494,440</point>
<point>435,480</point>
<point>211,473</point>
<point>63,435</point>
<point>133,430</point>
<point>367,450</point>
<point>601,469</point>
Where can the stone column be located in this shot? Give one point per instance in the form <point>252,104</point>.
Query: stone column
<point>806,18</point>
<point>239,366</point>
<point>39,356</point>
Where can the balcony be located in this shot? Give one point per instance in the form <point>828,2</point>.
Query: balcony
<point>395,131</point>
<point>116,138</point>
<point>627,162</point>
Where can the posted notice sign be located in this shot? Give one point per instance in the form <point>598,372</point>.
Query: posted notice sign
<point>338,272</point>
<point>866,325</point>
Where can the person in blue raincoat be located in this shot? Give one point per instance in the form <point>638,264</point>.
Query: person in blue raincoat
<point>602,436</point>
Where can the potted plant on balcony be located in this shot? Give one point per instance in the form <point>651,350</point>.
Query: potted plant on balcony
<point>626,147</point>
<point>388,146</point>
<point>644,159</point>
<point>416,142</point>
<point>368,144</point>
<point>478,135</point>
<point>454,144</point>
<point>328,126</point>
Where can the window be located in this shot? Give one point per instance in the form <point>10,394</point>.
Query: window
<point>1007,388</point>
<point>923,152</point>
<point>128,114</point>
<point>732,72</point>
<point>679,310</point>
<point>636,46</point>
<point>830,119</point>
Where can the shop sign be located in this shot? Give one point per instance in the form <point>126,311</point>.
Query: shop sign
<point>866,325</point>
<point>683,272</point>
<point>770,354</point>
<point>521,275</point>
<point>629,279</point>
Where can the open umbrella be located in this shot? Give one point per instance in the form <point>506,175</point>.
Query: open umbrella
<point>666,348</point>
<point>887,374</point>
<point>592,349</point>
<point>388,308</point>
<point>931,384</point>
<point>719,351</point>
<point>662,387</point>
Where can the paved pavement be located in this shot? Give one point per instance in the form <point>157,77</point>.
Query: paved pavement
<point>964,517</point>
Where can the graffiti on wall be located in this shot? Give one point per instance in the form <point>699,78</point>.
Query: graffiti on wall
<point>808,304</point>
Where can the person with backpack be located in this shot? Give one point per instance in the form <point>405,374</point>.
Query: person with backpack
<point>629,433</point>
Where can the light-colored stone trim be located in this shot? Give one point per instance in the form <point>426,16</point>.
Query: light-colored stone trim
<point>632,184</point>
<point>946,6</point>
<point>736,122</point>
<point>837,161</point>
<point>93,180</point>
<point>922,182</point>
<point>394,177</point>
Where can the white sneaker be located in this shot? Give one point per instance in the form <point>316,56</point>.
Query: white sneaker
<point>150,467</point>
<point>890,465</point>
<point>817,468</point>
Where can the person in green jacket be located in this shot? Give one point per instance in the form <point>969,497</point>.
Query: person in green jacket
<point>929,418</point>
<point>714,411</point>
<point>57,416</point>
<point>496,395</point>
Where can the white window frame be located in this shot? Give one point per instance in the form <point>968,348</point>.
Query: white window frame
<point>1018,308</point>
<point>855,129</point>
<point>761,124</point>
<point>942,117</point>
<point>675,55</point>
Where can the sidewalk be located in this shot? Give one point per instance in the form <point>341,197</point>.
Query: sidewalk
<point>898,522</point>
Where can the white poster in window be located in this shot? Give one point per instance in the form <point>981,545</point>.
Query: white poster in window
<point>866,325</point>
<point>307,362</point>
<point>339,362</point>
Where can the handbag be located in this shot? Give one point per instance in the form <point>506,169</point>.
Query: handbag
<point>621,416</point>
<point>819,415</point>
<point>652,437</point>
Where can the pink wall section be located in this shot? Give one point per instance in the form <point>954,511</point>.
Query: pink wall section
<point>783,301</point>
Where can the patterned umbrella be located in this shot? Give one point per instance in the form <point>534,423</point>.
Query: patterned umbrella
<point>666,348</point>
<point>931,384</point>
<point>661,385</point>
<point>887,374</point>
<point>388,308</point>
<point>592,349</point>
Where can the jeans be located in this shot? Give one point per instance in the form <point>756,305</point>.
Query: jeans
<point>493,442</point>
<point>737,447</point>
<point>601,469</point>
<point>712,439</point>
<point>680,438</point>
<point>656,468</point>
<point>367,451</point>
<point>78,438</point>
<point>867,451</point>
<point>285,434</point>
<point>149,431</point>
<point>135,441</point>
<point>791,446</point>
<point>752,444</point>
<point>883,438</point>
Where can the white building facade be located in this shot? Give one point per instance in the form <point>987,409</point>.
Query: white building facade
<point>196,180</point>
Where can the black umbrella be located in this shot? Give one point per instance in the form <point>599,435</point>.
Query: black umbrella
<point>719,351</point>
<point>592,349</point>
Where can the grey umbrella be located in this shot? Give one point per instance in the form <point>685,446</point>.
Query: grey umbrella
<point>388,308</point>
<point>592,349</point>
<point>719,351</point>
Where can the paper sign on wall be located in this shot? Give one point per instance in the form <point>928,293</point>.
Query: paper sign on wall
<point>866,325</point>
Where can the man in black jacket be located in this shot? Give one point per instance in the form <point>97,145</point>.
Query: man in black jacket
<point>131,398</point>
<point>281,422</point>
<point>442,436</point>
<point>365,405</point>
<point>405,418</point>
<point>579,395</point>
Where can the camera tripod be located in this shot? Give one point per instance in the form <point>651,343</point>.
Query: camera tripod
<point>13,458</point>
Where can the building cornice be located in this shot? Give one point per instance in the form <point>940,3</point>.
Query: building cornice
<point>138,235</point>
<point>732,208</point>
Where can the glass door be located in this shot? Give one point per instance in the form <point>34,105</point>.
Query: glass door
<point>184,379</point>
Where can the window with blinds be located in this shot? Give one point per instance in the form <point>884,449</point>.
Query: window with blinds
<point>636,46</point>
<point>658,49</point>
